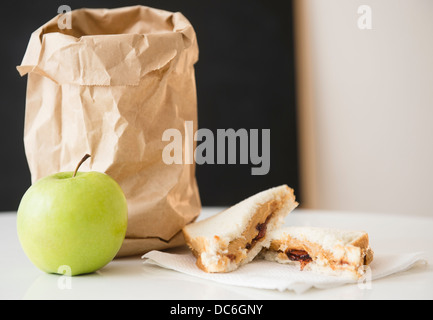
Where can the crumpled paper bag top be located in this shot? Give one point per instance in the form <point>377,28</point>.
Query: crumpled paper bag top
<point>122,46</point>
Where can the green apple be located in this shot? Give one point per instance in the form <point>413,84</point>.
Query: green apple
<point>72,221</point>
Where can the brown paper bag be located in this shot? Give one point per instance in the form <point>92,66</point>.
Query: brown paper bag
<point>110,86</point>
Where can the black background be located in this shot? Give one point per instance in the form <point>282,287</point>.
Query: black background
<point>245,79</point>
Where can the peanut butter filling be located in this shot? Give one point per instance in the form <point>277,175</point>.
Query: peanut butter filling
<point>254,232</point>
<point>306,252</point>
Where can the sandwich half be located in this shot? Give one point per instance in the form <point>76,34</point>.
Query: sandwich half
<point>326,251</point>
<point>236,236</point>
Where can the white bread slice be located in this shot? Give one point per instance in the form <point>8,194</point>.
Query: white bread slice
<point>235,236</point>
<point>328,251</point>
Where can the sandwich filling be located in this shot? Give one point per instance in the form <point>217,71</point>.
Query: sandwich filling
<point>333,251</point>
<point>320,259</point>
<point>254,232</point>
<point>300,256</point>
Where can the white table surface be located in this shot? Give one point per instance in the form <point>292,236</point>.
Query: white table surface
<point>129,278</point>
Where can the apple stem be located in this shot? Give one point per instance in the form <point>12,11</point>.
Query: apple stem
<point>87,156</point>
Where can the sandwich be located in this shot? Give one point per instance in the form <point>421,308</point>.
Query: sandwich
<point>234,237</point>
<point>325,251</point>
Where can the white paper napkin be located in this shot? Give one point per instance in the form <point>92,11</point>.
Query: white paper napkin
<point>271,275</point>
